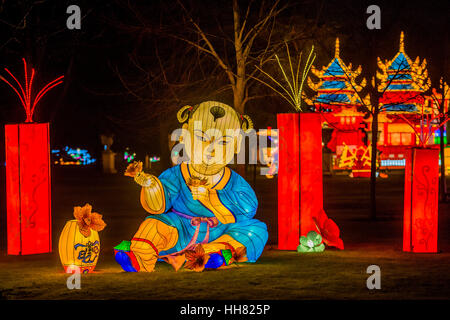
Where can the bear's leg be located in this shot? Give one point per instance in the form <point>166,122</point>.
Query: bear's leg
<point>152,237</point>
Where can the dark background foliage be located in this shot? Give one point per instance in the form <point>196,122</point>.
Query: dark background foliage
<point>126,74</point>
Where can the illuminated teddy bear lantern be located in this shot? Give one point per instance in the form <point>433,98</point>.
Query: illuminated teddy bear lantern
<point>201,212</point>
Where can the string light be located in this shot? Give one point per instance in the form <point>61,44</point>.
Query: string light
<point>25,95</point>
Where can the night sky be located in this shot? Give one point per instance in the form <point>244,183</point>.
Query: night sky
<point>119,65</point>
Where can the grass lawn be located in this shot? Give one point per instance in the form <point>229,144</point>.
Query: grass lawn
<point>332,274</point>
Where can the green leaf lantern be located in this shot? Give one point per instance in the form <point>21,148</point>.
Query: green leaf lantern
<point>311,243</point>
<point>227,255</point>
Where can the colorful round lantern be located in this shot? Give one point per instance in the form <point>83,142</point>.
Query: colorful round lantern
<point>79,243</point>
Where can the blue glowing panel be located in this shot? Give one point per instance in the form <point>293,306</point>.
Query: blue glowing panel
<point>335,69</point>
<point>400,107</point>
<point>329,98</point>
<point>393,163</point>
<point>400,76</point>
<point>333,85</point>
<point>403,86</point>
<point>400,63</point>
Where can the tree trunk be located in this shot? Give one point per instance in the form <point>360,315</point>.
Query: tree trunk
<point>239,87</point>
<point>239,106</point>
<point>373,166</point>
<point>239,97</point>
<point>443,184</point>
<point>165,159</point>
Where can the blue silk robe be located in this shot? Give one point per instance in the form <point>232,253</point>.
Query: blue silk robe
<point>234,204</point>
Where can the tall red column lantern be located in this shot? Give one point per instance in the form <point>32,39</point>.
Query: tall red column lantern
<point>421,201</point>
<point>28,173</point>
<point>288,181</point>
<point>300,188</point>
<point>28,188</point>
<point>311,176</point>
<point>420,221</point>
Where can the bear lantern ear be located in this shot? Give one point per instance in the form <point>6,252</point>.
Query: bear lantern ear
<point>247,123</point>
<point>184,113</point>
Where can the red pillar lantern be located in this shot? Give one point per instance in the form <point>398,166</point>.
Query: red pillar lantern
<point>28,188</point>
<point>288,181</point>
<point>420,221</point>
<point>311,176</point>
<point>28,173</point>
<point>300,186</point>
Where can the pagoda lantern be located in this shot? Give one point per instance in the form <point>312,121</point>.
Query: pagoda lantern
<point>337,100</point>
<point>402,83</point>
<point>407,129</point>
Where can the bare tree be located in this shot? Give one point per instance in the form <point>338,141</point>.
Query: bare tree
<point>439,105</point>
<point>245,33</point>
<point>371,102</point>
<point>185,57</point>
<point>440,97</point>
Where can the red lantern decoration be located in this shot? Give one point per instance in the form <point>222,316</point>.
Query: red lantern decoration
<point>28,173</point>
<point>300,186</point>
<point>28,188</point>
<point>311,181</point>
<point>420,221</point>
<point>288,181</point>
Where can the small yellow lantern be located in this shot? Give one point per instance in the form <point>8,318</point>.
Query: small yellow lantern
<point>79,243</point>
